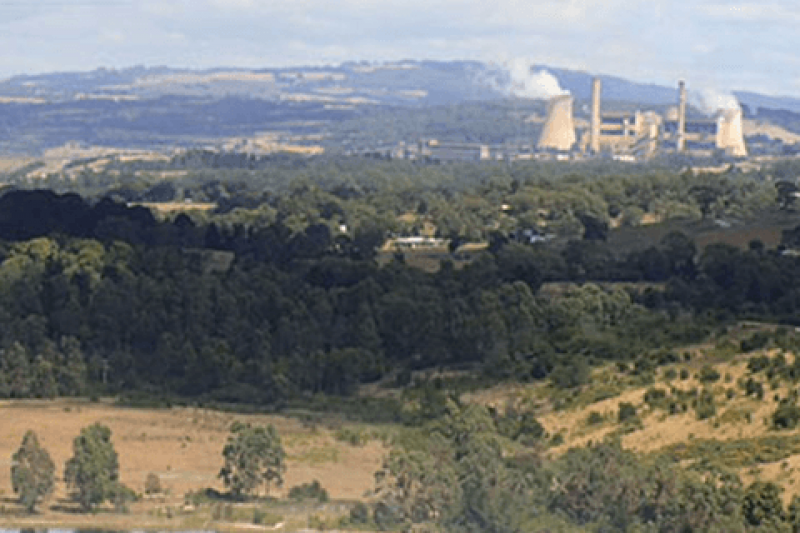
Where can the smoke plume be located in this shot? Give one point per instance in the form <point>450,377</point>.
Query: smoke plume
<point>515,78</point>
<point>709,101</point>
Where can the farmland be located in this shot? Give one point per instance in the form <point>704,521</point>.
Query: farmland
<point>183,447</point>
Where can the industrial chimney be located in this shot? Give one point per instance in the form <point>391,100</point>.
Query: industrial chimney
<point>681,139</point>
<point>594,135</point>
<point>729,133</point>
<point>559,131</point>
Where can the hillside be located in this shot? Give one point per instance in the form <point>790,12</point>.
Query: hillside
<point>715,406</point>
<point>161,108</point>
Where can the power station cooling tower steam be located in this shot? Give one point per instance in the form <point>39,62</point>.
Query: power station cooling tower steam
<point>559,130</point>
<point>729,133</point>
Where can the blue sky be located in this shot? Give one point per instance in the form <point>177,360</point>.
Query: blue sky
<point>722,44</point>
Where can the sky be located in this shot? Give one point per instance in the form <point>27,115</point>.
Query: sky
<point>727,45</point>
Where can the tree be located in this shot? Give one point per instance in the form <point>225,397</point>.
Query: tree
<point>93,471</point>
<point>32,472</point>
<point>705,196</point>
<point>594,229</point>
<point>72,375</point>
<point>762,504</point>
<point>253,456</point>
<point>787,194</point>
<point>15,365</point>
<point>415,486</point>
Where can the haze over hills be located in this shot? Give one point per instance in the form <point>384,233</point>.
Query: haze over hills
<point>161,107</point>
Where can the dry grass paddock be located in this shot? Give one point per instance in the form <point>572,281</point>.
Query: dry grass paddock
<point>183,446</point>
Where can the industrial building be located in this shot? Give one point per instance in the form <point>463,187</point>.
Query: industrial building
<point>642,134</point>
<point>447,151</point>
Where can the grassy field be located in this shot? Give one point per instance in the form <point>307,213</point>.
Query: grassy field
<point>183,447</point>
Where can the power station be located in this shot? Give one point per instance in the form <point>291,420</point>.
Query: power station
<point>642,134</point>
<point>627,135</point>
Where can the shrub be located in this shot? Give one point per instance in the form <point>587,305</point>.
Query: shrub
<point>388,515</point>
<point>786,416</point>
<point>627,411</point>
<point>152,484</point>
<point>655,398</point>
<point>705,407</point>
<point>309,491</point>
<point>684,374</point>
<point>359,514</point>
<point>353,437</point>
<point>676,408</point>
<point>708,374</point>
<point>754,388</point>
<point>517,425</point>
<point>758,363</point>
<point>121,496</point>
<point>670,374</point>
<point>755,342</point>
<point>594,418</point>
<point>643,365</point>
<point>571,374</point>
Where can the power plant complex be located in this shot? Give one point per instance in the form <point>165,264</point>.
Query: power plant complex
<point>642,134</point>
<point>627,135</point>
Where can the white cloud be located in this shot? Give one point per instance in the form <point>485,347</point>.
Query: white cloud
<point>719,42</point>
<point>761,12</point>
<point>112,36</point>
<point>236,4</point>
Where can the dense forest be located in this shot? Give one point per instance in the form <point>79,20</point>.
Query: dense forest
<point>261,302</point>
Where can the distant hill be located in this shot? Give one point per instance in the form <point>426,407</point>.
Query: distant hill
<point>162,107</point>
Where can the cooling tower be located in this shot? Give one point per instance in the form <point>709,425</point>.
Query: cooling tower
<point>681,140</point>
<point>594,138</point>
<point>729,133</point>
<point>559,131</point>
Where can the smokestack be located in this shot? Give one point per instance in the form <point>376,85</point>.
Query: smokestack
<point>729,133</point>
<point>594,136</point>
<point>681,142</point>
<point>559,131</point>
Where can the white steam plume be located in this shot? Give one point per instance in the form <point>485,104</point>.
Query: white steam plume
<point>514,78</point>
<point>709,101</point>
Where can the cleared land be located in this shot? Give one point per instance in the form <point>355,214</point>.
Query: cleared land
<point>183,446</point>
